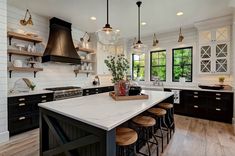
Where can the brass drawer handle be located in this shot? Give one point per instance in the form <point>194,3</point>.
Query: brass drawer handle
<point>43,101</point>
<point>96,89</point>
<point>87,93</point>
<point>87,90</point>
<point>195,92</point>
<point>22,99</point>
<point>218,94</point>
<point>218,98</point>
<point>22,118</point>
<point>195,106</point>
<point>97,92</point>
<point>195,96</point>
<point>44,96</point>
<point>22,104</point>
<point>218,109</point>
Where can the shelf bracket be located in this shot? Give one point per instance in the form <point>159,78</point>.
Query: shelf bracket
<point>10,57</point>
<point>10,38</point>
<point>10,72</point>
<point>34,74</point>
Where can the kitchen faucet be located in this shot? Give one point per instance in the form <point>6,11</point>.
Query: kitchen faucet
<point>157,81</point>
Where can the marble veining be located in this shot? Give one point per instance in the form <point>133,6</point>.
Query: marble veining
<point>102,111</point>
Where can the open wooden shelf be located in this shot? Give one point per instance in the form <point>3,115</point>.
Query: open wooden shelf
<point>85,50</point>
<point>87,61</point>
<point>83,71</point>
<point>19,36</point>
<point>24,69</point>
<point>24,53</point>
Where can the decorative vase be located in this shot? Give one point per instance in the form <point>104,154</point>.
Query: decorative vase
<point>120,88</point>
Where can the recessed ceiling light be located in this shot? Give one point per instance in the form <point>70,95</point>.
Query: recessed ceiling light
<point>179,13</point>
<point>118,30</point>
<point>93,18</point>
<point>143,23</point>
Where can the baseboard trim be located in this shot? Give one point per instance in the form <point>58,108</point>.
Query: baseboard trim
<point>4,136</point>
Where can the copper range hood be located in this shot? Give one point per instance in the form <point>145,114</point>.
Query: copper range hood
<point>60,47</point>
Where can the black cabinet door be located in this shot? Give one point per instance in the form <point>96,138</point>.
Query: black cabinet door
<point>221,106</point>
<point>195,104</point>
<point>99,90</point>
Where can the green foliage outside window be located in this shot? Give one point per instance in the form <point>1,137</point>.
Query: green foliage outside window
<point>138,65</point>
<point>182,64</point>
<point>158,65</point>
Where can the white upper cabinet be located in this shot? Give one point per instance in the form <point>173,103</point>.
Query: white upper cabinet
<point>214,51</point>
<point>214,37</point>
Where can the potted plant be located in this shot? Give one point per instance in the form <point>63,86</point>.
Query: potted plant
<point>118,66</point>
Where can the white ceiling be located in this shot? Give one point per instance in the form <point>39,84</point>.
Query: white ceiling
<point>160,15</point>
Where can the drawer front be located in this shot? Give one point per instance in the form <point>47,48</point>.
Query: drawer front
<point>31,98</point>
<point>197,111</point>
<point>15,110</point>
<point>22,123</point>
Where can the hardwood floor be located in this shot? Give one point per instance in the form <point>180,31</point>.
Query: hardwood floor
<point>193,137</point>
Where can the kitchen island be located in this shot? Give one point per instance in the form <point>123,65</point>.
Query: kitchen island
<point>86,125</point>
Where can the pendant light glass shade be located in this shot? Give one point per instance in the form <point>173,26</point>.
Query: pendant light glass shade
<point>107,35</point>
<point>139,47</point>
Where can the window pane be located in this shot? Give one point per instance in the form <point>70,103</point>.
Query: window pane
<point>138,67</point>
<point>158,65</point>
<point>182,64</point>
<point>159,72</point>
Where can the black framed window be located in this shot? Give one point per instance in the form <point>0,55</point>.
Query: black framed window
<point>138,65</point>
<point>158,65</point>
<point>182,64</point>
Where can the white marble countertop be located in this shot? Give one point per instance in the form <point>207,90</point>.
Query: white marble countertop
<point>102,111</point>
<point>15,94</point>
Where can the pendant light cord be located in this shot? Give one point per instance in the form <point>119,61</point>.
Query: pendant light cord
<point>138,4</point>
<point>107,11</point>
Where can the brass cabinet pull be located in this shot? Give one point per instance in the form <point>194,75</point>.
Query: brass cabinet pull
<point>218,94</point>
<point>22,99</point>
<point>195,106</point>
<point>195,96</point>
<point>44,101</point>
<point>44,96</point>
<point>218,109</point>
<point>87,90</point>
<point>218,98</point>
<point>195,92</point>
<point>96,89</point>
<point>97,92</point>
<point>22,118</point>
<point>22,104</point>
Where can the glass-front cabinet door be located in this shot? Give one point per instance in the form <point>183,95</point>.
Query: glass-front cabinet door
<point>214,51</point>
<point>205,59</point>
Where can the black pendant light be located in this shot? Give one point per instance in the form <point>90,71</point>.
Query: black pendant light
<point>139,47</point>
<point>107,35</point>
<point>181,37</point>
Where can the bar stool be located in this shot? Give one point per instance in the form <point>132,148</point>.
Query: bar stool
<point>159,115</point>
<point>146,124</point>
<point>125,137</point>
<point>170,115</point>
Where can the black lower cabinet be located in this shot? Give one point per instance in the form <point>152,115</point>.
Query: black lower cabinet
<point>23,112</point>
<point>98,90</point>
<point>208,105</point>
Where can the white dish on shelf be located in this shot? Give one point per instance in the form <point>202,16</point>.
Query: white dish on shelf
<point>20,46</point>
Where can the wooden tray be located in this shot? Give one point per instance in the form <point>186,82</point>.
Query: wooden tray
<point>122,98</point>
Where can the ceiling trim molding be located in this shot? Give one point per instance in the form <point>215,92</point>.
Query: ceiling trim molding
<point>213,23</point>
